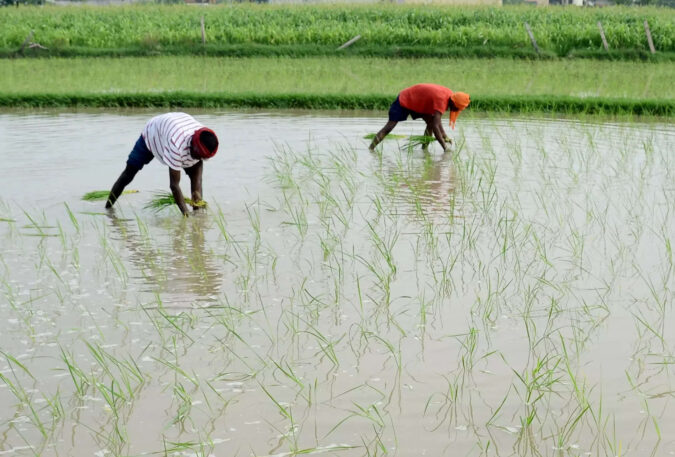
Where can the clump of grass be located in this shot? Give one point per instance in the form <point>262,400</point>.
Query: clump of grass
<point>163,200</point>
<point>102,194</point>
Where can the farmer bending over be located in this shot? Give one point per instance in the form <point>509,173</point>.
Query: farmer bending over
<point>426,101</point>
<point>178,141</point>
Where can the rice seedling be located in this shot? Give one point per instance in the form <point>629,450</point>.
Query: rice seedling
<point>415,141</point>
<point>163,200</point>
<point>391,136</point>
<point>99,195</point>
<point>22,395</point>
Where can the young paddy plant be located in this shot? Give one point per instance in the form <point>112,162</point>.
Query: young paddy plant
<point>163,200</point>
<point>23,395</point>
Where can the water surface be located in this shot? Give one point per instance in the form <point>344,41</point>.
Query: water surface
<point>511,297</point>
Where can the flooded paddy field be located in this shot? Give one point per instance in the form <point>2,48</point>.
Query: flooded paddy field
<point>512,297</point>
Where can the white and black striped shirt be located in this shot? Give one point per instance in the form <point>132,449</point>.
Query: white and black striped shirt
<point>168,136</point>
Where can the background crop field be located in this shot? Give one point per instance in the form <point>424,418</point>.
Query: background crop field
<point>177,28</point>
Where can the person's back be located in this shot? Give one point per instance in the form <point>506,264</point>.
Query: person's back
<point>178,141</point>
<point>426,98</point>
<point>168,137</point>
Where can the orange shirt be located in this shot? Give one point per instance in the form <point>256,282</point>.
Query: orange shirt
<point>425,98</point>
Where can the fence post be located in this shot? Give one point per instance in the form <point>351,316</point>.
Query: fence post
<point>203,31</point>
<point>602,35</point>
<point>534,42</point>
<point>649,38</point>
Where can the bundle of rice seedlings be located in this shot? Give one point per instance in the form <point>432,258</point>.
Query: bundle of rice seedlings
<point>391,136</point>
<point>163,200</point>
<point>419,140</point>
<point>413,140</point>
<point>102,194</point>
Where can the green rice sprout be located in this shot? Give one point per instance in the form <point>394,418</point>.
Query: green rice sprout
<point>96,195</point>
<point>391,136</point>
<point>419,140</point>
<point>163,200</point>
<point>413,140</point>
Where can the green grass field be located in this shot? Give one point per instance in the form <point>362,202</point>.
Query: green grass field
<point>338,83</point>
<point>319,29</point>
<point>326,76</point>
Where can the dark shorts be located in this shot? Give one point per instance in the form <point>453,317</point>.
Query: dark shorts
<point>398,113</point>
<point>140,155</point>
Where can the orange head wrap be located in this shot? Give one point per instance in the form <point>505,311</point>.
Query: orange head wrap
<point>461,101</point>
<point>200,149</point>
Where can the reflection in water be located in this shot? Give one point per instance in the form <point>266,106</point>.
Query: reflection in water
<point>176,264</point>
<point>428,182</point>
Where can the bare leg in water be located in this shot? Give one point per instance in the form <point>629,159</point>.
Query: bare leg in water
<point>125,178</point>
<point>388,127</point>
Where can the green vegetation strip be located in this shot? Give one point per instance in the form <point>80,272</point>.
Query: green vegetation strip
<point>302,30</point>
<point>346,76</point>
<point>363,50</point>
<point>590,105</point>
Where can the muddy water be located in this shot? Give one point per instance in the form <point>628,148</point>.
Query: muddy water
<point>512,297</point>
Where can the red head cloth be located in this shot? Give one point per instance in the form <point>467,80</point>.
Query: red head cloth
<point>199,147</point>
<point>461,101</point>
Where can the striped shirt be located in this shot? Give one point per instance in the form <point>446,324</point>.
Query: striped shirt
<point>168,136</point>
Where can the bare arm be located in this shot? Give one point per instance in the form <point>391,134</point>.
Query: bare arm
<point>174,185</point>
<point>438,131</point>
<point>195,174</point>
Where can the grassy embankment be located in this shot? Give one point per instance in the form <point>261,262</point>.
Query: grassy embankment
<point>332,83</point>
<point>301,30</point>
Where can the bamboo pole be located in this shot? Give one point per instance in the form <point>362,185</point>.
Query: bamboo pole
<point>534,42</point>
<point>649,38</point>
<point>602,35</point>
<point>350,42</point>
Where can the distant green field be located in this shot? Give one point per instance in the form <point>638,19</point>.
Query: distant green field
<point>343,76</point>
<point>386,30</point>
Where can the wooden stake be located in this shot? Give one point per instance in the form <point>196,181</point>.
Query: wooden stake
<point>203,32</point>
<point>602,35</point>
<point>534,42</point>
<point>350,42</point>
<point>649,38</point>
